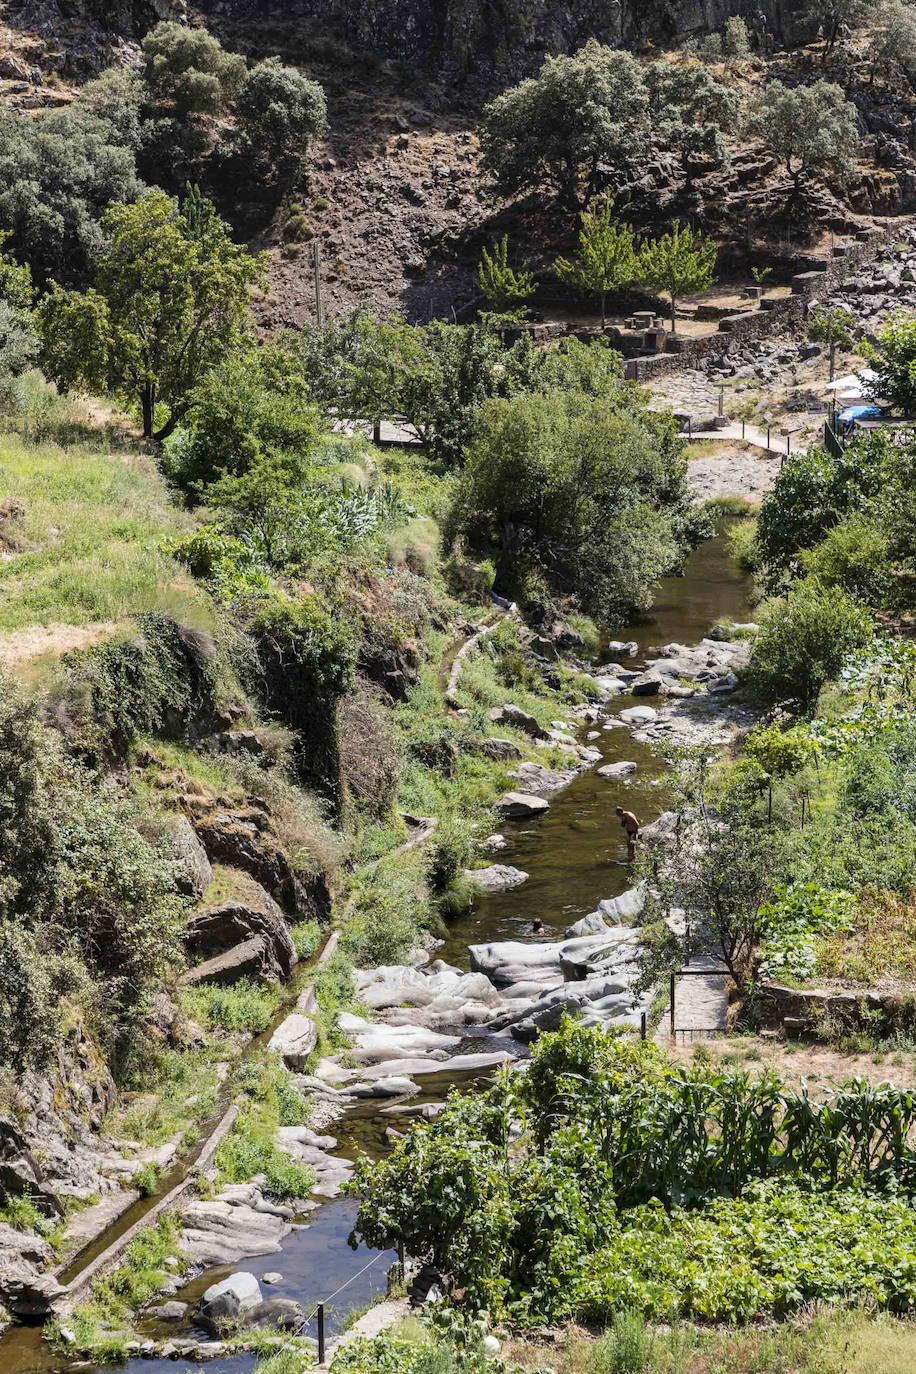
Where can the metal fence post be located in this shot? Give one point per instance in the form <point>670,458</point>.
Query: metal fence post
<point>642,1026</point>
<point>402,1261</point>
<point>320,1315</point>
<point>673,979</point>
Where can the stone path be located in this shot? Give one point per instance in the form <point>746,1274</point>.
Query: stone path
<point>700,1001</point>
<point>751,434</point>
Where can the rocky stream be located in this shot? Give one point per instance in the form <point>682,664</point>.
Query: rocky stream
<point>558,856</point>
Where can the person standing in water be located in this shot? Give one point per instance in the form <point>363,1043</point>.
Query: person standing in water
<point>631,825</point>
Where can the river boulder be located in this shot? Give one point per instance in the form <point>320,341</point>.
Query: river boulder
<point>521,805</point>
<point>624,769</point>
<point>294,1040</point>
<point>513,715</point>
<point>226,1302</point>
<point>638,715</point>
<point>496,878</point>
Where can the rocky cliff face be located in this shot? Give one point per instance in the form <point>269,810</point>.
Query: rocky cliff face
<point>508,37</point>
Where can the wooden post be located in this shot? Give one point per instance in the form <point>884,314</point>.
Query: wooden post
<point>673,980</point>
<point>742,429</point>
<point>642,1026</point>
<point>316,260</point>
<point>320,1315</point>
<point>768,438</point>
<point>402,1261</point>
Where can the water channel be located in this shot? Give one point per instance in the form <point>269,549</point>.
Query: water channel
<point>574,856</point>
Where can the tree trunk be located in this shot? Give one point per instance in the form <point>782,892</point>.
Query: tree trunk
<point>148,404</point>
<point>603,316</point>
<point>673,313</point>
<point>832,359</point>
<point>170,426</point>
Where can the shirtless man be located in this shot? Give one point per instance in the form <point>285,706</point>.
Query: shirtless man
<point>631,825</point>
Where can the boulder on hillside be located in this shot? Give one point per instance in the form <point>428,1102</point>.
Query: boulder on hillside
<point>243,838</point>
<point>223,927</point>
<point>252,960</point>
<point>193,871</point>
<point>28,1295</point>
<point>20,1173</point>
<point>521,720</point>
<point>499,749</point>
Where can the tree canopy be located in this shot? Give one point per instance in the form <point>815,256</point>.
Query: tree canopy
<point>585,491</point>
<point>693,114</point>
<point>580,116</point>
<point>169,301</point>
<point>680,264</point>
<point>809,129</point>
<point>190,69</point>
<point>279,111</point>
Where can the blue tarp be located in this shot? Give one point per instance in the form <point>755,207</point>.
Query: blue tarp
<point>860,413</point>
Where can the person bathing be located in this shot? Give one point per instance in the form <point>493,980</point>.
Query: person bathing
<point>631,825</point>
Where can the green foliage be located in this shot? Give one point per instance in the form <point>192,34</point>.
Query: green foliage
<point>893,358</point>
<point>798,917</point>
<point>812,493</point>
<point>159,682</point>
<point>803,641</point>
<point>834,326</point>
<point>387,914</point>
<point>505,289</point>
<point>589,492</point>
<point>556,128</point>
<point>855,556</point>
<point>736,42</point>
<point>693,1192</point>
<point>279,111</point>
<point>189,69</point>
<point>253,404</point>
<point>606,258</point>
<point>59,171</point>
<point>680,263</point>
<point>249,1149</point>
<point>694,112</point>
<point>810,130</point>
<point>828,17</point>
<point>242,1006</point>
<point>170,301</point>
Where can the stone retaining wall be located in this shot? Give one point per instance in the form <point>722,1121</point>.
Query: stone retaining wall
<point>806,1009</point>
<point>773,316</point>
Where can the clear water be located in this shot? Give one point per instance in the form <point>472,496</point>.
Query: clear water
<point>575,856</point>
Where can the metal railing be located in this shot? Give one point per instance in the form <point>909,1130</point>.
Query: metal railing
<point>318,1311</point>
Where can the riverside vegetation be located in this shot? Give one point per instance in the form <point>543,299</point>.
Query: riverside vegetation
<point>225,621</point>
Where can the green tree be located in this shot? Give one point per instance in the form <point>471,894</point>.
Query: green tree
<point>59,170</point>
<point>189,69</point>
<point>585,491</point>
<point>893,358</point>
<point>833,326</point>
<point>169,302</point>
<point>680,264</point>
<point>809,129</point>
<point>894,41</point>
<point>254,403</point>
<point>505,289</point>
<point>803,641</point>
<point>580,115</point>
<point>736,43</point>
<point>18,342</point>
<point>606,257</point>
<point>279,111</point>
<point>693,112</point>
<point>830,17</point>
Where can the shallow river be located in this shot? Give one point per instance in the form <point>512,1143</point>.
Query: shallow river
<point>575,856</point>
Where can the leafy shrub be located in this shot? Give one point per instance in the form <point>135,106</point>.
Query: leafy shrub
<point>249,1149</point>
<point>695,1192</point>
<point>795,921</point>
<point>803,641</point>
<point>157,683</point>
<point>386,920</point>
<point>369,753</point>
<point>855,556</point>
<point>242,1007</point>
